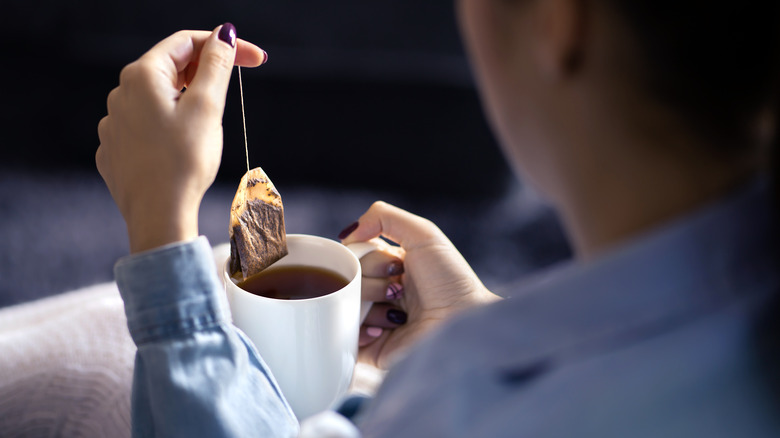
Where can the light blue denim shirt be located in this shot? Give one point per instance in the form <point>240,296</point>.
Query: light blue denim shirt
<point>195,374</point>
<point>671,335</point>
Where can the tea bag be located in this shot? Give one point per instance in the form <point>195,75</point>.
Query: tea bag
<point>257,234</point>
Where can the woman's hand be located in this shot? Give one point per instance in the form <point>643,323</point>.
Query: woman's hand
<point>160,148</point>
<point>414,286</point>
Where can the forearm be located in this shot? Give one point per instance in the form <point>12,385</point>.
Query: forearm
<point>195,374</point>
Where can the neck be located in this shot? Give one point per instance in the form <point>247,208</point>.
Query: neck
<point>631,196</point>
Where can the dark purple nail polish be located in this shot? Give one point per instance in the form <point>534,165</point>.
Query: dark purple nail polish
<point>347,231</point>
<point>395,268</point>
<point>228,34</point>
<point>265,56</point>
<point>394,291</point>
<point>396,316</point>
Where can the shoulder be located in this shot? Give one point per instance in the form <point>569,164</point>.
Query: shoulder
<point>483,376</point>
<point>663,337</point>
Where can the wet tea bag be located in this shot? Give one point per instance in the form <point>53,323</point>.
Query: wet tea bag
<point>257,233</point>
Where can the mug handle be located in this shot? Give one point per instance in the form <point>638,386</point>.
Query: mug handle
<point>360,249</point>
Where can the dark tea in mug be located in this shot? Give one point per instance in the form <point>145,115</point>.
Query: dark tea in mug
<point>294,282</point>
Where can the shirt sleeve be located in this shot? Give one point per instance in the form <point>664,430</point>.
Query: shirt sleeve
<point>195,373</point>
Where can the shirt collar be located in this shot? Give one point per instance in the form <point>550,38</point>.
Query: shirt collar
<point>723,253</point>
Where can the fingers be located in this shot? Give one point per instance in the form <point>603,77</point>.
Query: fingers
<point>409,230</point>
<point>381,264</point>
<point>380,319</point>
<point>184,47</point>
<point>206,57</point>
<point>210,82</point>
<point>249,55</point>
<point>369,335</point>
<point>386,316</point>
<point>381,289</point>
<point>382,272</point>
<point>111,99</point>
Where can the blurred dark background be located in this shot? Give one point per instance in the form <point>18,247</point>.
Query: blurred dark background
<point>359,101</point>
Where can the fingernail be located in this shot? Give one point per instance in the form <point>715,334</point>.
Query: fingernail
<point>374,332</point>
<point>228,34</point>
<point>396,316</point>
<point>265,56</point>
<point>347,231</point>
<point>394,291</point>
<point>395,268</point>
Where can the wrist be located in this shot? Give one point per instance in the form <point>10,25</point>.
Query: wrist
<point>159,228</point>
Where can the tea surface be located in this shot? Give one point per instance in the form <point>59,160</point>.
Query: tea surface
<point>294,282</point>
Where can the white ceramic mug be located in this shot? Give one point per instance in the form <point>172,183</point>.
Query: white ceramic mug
<point>310,345</point>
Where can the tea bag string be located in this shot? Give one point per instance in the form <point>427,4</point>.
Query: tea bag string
<point>243,117</point>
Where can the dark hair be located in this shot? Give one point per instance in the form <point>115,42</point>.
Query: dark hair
<point>715,62</point>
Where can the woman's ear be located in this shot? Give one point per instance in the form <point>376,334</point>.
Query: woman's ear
<point>560,29</point>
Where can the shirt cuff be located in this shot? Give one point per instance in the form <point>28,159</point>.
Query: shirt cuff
<point>171,291</point>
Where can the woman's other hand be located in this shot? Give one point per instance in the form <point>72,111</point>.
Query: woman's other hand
<point>414,286</point>
<point>160,148</point>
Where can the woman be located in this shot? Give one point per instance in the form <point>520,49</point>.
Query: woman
<point>645,123</point>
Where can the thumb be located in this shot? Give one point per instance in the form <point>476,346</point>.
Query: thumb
<point>408,230</point>
<point>215,65</point>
